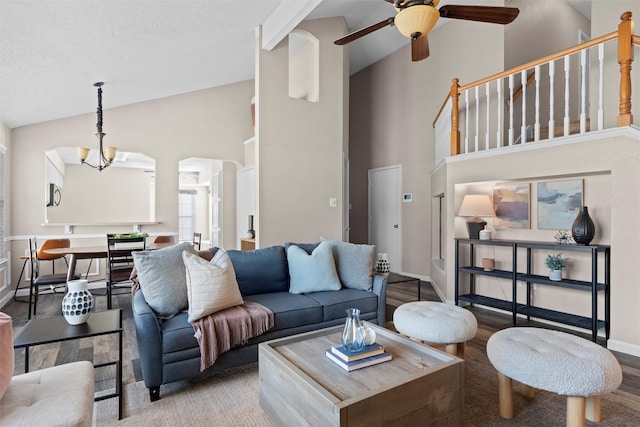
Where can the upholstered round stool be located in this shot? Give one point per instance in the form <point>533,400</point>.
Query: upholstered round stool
<point>556,362</point>
<point>436,323</point>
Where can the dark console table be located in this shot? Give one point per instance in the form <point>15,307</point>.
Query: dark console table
<point>469,267</point>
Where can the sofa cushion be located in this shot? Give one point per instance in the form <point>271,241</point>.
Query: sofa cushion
<point>308,247</point>
<point>290,310</point>
<point>211,286</point>
<point>354,264</point>
<point>177,334</point>
<point>335,304</point>
<point>6,352</point>
<point>162,278</point>
<point>261,270</point>
<point>312,272</point>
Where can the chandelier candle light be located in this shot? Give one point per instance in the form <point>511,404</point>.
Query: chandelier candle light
<point>106,153</point>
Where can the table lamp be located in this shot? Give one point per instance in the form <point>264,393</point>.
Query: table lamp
<point>476,206</point>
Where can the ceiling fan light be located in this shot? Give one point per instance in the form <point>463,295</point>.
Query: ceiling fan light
<point>416,19</point>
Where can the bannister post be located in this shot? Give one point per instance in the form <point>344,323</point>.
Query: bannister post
<point>625,58</point>
<point>455,131</point>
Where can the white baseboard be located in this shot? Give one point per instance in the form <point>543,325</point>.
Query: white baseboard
<point>623,347</point>
<point>614,345</point>
<point>5,299</point>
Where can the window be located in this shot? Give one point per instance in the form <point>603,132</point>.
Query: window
<point>186,215</point>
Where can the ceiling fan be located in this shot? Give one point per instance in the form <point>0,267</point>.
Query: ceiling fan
<point>415,18</point>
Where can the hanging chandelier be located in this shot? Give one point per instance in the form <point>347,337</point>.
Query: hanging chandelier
<point>106,153</point>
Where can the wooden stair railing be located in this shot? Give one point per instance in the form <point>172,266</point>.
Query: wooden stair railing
<point>626,40</point>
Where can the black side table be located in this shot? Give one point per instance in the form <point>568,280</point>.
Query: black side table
<point>55,329</point>
<point>398,278</point>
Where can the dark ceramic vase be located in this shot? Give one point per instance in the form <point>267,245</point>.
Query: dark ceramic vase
<point>583,228</point>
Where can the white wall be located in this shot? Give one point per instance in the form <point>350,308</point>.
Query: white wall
<point>393,105</point>
<point>610,168</point>
<point>210,123</point>
<point>115,194</point>
<point>299,144</point>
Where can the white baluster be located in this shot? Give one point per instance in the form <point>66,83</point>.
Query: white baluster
<point>500,102</point>
<point>536,126</point>
<point>488,103</point>
<point>552,122</point>
<point>523,125</point>
<point>466,133</point>
<point>566,95</point>
<point>583,91</point>
<point>511,110</point>
<point>477,135</point>
<point>601,87</point>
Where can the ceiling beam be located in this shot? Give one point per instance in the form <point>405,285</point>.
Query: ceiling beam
<point>284,19</point>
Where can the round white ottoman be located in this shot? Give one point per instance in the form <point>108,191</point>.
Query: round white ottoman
<point>556,362</point>
<point>437,323</point>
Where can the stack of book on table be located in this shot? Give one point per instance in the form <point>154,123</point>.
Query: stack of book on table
<point>352,360</point>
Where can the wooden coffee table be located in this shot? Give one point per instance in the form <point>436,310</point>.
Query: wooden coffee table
<point>300,386</point>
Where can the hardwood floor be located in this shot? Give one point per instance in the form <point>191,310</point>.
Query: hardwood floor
<point>102,349</point>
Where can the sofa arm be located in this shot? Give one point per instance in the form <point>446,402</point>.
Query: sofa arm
<point>380,289</point>
<point>149,337</point>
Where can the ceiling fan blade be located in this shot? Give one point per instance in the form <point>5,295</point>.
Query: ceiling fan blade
<point>419,48</point>
<point>363,32</point>
<point>491,14</point>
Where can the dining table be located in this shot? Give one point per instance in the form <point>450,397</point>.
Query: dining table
<point>91,252</point>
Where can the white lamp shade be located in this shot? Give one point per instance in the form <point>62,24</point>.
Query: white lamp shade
<point>476,205</point>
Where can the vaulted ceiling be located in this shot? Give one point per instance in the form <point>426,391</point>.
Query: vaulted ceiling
<point>51,52</point>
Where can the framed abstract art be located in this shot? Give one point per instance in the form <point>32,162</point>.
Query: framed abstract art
<point>511,204</point>
<point>558,203</point>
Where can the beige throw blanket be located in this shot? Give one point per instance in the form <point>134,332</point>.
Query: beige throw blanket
<point>220,331</point>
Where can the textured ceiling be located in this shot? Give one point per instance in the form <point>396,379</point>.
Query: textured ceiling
<point>51,52</point>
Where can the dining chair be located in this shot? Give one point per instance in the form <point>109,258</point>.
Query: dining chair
<point>164,239</point>
<point>53,244</point>
<point>120,261</point>
<point>38,280</point>
<point>197,241</point>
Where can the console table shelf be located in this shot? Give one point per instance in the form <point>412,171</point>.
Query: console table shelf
<point>594,287</point>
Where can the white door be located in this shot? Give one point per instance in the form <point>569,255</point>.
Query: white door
<point>385,199</point>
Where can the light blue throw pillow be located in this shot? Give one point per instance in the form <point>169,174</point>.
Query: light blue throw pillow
<point>163,278</point>
<point>312,272</point>
<point>354,264</point>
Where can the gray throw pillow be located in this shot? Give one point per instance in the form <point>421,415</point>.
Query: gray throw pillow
<point>313,272</point>
<point>354,263</point>
<point>163,280</point>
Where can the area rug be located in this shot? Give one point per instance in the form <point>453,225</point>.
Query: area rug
<point>228,398</point>
<point>231,399</point>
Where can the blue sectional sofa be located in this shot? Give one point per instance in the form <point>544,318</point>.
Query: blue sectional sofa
<point>167,347</point>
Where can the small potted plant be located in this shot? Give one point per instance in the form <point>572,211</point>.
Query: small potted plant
<point>555,264</point>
